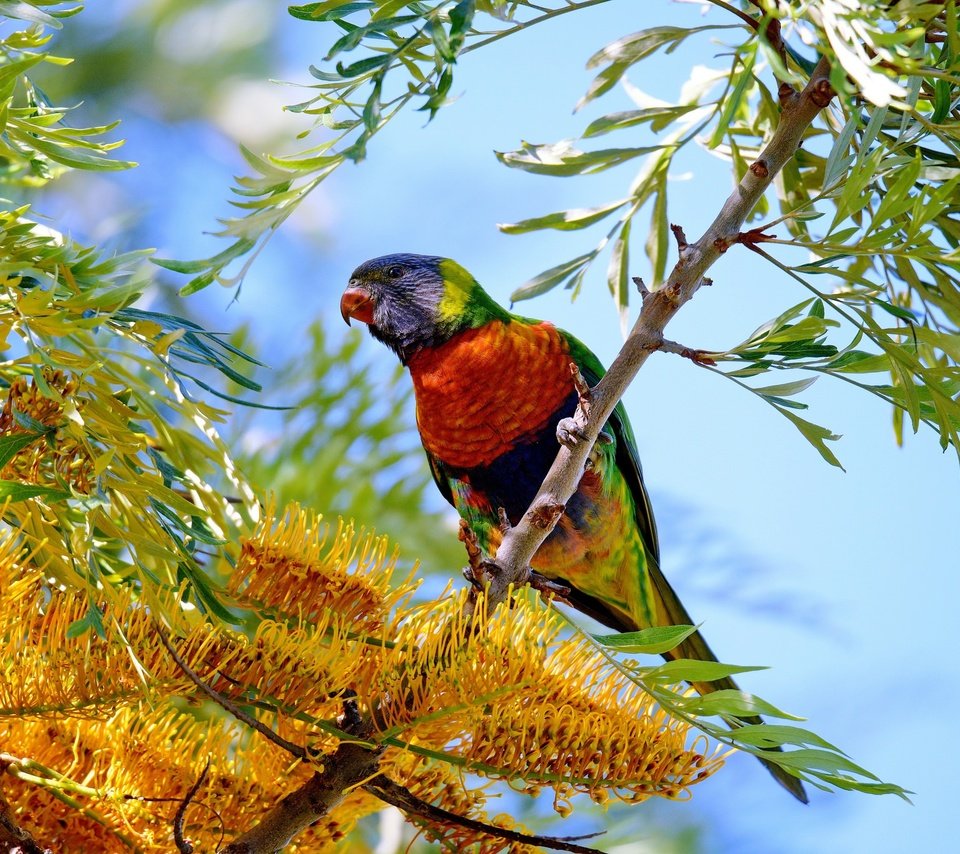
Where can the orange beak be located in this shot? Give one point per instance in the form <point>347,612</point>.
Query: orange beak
<point>356,303</point>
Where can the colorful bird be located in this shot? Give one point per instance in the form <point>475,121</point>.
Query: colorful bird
<point>490,389</point>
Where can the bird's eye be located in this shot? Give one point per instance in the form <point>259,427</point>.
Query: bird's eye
<point>395,272</point>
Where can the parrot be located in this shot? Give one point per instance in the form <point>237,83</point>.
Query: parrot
<point>490,388</point>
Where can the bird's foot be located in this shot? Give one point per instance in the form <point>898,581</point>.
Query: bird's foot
<point>549,589</point>
<point>481,573</point>
<point>570,433</point>
<point>470,543</point>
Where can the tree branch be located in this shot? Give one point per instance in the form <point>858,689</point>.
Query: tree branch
<point>235,710</point>
<point>343,771</point>
<point>13,837</point>
<point>521,542</point>
<point>403,799</point>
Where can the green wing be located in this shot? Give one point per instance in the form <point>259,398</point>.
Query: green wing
<point>439,478</point>
<point>628,459</point>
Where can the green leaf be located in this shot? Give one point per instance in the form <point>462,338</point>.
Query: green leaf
<point>658,241</point>
<point>777,735</point>
<point>562,159</point>
<point>731,103</point>
<point>653,641</point>
<point>815,434</point>
<point>838,162</point>
<point>859,362</point>
<point>730,703</point>
<point>691,670</point>
<point>549,279</point>
<point>659,118</point>
<point>213,262</point>
<point>569,220</point>
<point>13,490</point>
<point>618,271</point>
<point>11,445</point>
<point>786,389</point>
<point>628,50</point>
<point>328,10</point>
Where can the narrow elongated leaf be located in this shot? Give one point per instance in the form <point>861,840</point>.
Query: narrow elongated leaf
<point>778,735</point>
<point>13,490</point>
<point>618,272</point>
<point>690,670</point>
<point>655,640</point>
<point>562,159</point>
<point>570,220</point>
<point>786,389</point>
<point>815,434</point>
<point>11,445</point>
<point>659,117</point>
<point>549,279</point>
<point>730,703</point>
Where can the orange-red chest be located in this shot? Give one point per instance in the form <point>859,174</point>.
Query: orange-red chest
<point>488,389</point>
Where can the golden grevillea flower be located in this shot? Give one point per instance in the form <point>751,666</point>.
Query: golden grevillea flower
<point>440,784</point>
<point>125,777</point>
<point>47,669</point>
<point>507,696</point>
<point>519,701</point>
<point>293,564</point>
<point>57,458</point>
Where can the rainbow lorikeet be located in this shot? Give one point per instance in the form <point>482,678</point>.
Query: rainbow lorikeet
<point>490,388</point>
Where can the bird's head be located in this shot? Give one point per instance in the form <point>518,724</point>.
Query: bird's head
<point>414,301</point>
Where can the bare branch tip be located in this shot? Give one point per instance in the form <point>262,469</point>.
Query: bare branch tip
<point>579,383</point>
<point>184,846</point>
<point>680,237</point>
<point>641,287</point>
<point>786,94</point>
<point>698,357</point>
<point>821,92</point>
<point>751,238</point>
<point>549,589</point>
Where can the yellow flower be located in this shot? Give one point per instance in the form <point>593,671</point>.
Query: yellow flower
<point>518,700</point>
<point>293,564</point>
<point>59,457</point>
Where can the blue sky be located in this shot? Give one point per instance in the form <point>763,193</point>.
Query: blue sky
<point>845,584</point>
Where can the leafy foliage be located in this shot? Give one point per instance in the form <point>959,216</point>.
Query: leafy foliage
<point>815,760</point>
<point>355,100</point>
<point>883,168</point>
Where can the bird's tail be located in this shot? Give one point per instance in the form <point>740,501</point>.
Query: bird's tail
<point>672,613</point>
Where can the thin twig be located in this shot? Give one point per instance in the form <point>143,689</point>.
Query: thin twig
<point>183,846</point>
<point>13,837</point>
<point>699,357</point>
<point>291,748</point>
<point>403,799</point>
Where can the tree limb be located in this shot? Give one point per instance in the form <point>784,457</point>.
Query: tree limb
<point>13,837</point>
<point>403,799</point>
<point>343,771</point>
<point>521,542</point>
